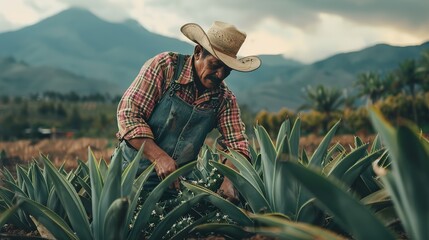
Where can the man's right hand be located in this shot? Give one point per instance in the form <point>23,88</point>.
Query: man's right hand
<point>164,164</point>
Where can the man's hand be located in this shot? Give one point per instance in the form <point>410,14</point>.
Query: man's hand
<point>164,164</point>
<point>228,191</point>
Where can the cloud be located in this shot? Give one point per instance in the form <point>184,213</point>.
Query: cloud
<point>5,24</point>
<point>306,30</point>
<point>410,16</point>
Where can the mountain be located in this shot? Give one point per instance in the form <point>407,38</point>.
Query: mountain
<point>19,78</point>
<point>284,87</point>
<point>82,49</point>
<point>78,41</point>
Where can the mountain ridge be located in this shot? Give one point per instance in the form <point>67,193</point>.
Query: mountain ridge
<point>80,43</point>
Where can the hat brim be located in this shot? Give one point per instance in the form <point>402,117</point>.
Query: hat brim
<point>196,34</point>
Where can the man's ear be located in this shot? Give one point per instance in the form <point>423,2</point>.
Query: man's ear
<point>198,50</point>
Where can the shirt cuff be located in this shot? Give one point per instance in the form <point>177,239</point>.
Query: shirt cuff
<point>139,132</point>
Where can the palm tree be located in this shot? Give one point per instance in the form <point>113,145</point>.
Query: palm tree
<point>323,99</point>
<point>423,69</point>
<point>410,78</point>
<point>370,84</point>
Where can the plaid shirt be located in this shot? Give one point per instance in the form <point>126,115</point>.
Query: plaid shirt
<point>139,100</point>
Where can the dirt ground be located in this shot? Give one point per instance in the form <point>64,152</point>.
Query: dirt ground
<point>59,151</point>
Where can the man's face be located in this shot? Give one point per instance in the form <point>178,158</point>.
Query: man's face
<point>210,70</point>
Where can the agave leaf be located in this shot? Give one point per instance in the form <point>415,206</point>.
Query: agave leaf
<point>26,184</point>
<point>331,164</point>
<point>229,231</point>
<point>70,201</point>
<point>12,186</point>
<point>103,168</point>
<point>224,205</point>
<point>82,169</point>
<point>350,176</point>
<point>20,218</point>
<point>43,231</point>
<point>253,155</point>
<point>375,197</point>
<point>258,165</point>
<point>129,173</point>
<point>114,222</point>
<point>388,216</point>
<point>245,168</point>
<point>376,144</point>
<point>294,138</point>
<point>310,213</point>
<point>150,202</point>
<point>7,196</point>
<point>136,190</point>
<point>283,133</point>
<point>41,195</point>
<point>7,175</point>
<point>336,149</point>
<point>110,191</point>
<point>349,213</point>
<point>96,188</point>
<point>162,227</point>
<point>6,215</point>
<point>256,199</point>
<point>186,231</point>
<point>368,178</point>
<point>268,156</point>
<point>304,158</point>
<point>281,228</point>
<point>85,186</point>
<point>320,153</point>
<point>54,223</point>
<point>349,160</point>
<point>409,173</point>
<point>285,192</point>
<point>358,142</point>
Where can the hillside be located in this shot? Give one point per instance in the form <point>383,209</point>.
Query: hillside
<point>83,47</point>
<point>285,87</point>
<point>78,41</point>
<point>19,78</point>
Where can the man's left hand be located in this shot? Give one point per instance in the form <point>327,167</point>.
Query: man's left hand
<point>228,191</point>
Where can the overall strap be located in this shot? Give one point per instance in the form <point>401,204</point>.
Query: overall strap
<point>179,66</point>
<point>174,86</point>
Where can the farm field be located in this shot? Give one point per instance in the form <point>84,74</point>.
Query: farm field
<point>59,151</point>
<point>68,151</point>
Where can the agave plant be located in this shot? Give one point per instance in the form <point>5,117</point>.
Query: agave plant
<point>99,201</point>
<point>30,183</point>
<point>267,186</point>
<point>402,182</point>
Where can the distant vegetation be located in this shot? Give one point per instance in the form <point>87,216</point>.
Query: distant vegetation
<point>53,114</point>
<point>402,93</point>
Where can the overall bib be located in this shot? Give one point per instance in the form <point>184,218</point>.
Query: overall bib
<point>178,127</point>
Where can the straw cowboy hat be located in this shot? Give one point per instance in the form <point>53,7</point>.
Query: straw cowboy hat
<point>223,41</point>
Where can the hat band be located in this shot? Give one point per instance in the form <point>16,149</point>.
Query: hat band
<point>223,51</point>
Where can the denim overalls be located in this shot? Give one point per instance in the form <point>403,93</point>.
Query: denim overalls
<point>178,127</point>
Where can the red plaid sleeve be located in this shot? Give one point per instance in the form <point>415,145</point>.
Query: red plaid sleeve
<point>231,127</point>
<point>138,101</point>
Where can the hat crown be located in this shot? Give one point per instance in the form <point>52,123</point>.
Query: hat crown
<point>226,38</point>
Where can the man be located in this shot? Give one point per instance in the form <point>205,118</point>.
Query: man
<point>176,100</point>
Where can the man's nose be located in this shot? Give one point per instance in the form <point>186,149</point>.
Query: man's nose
<point>222,73</point>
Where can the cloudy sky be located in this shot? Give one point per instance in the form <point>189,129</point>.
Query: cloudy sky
<point>306,30</point>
